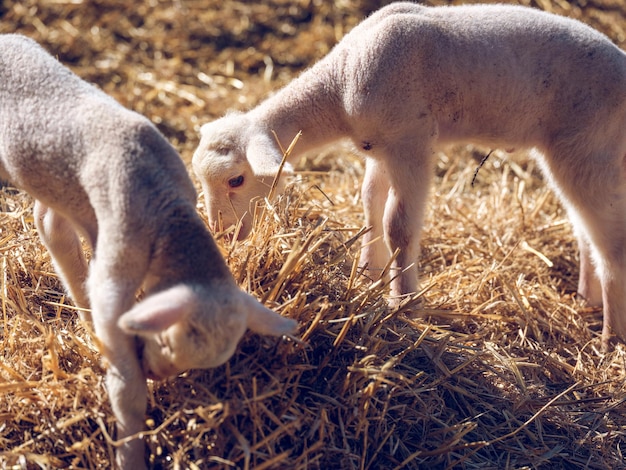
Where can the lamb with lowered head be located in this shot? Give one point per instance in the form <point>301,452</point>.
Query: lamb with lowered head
<point>410,78</point>
<point>106,173</point>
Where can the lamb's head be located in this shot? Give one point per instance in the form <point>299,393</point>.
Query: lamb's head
<point>236,163</point>
<point>196,327</point>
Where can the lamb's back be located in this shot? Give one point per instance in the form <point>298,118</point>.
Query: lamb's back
<point>65,141</point>
<point>464,63</point>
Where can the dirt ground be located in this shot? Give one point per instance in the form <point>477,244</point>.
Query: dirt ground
<point>498,367</point>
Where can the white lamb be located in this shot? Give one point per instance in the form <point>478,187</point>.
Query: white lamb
<point>98,169</point>
<point>411,78</point>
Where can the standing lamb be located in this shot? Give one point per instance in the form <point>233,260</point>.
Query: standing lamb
<point>411,78</point>
<point>102,171</point>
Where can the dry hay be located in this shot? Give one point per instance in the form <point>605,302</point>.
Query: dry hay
<point>495,365</point>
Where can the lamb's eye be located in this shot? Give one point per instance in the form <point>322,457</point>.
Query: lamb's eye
<point>236,181</point>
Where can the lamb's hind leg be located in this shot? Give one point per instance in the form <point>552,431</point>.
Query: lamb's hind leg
<point>599,216</point>
<point>610,254</point>
<point>63,243</point>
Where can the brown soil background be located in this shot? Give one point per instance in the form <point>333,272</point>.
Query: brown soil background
<point>499,367</point>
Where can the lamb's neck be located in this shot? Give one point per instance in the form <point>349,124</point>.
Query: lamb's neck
<point>154,203</point>
<point>308,104</point>
<point>186,252</point>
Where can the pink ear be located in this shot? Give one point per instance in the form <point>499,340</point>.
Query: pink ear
<point>266,322</point>
<point>159,311</point>
<point>264,157</point>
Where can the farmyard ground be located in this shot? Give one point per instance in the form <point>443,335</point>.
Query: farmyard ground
<point>498,366</point>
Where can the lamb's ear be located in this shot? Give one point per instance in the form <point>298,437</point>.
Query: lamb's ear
<point>205,127</point>
<point>159,311</point>
<point>264,321</point>
<point>264,157</point>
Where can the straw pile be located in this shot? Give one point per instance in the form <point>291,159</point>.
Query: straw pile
<point>495,365</point>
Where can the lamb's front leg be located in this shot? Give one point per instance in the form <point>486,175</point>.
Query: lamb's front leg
<point>409,169</point>
<point>127,389</point>
<point>374,253</point>
<point>126,385</point>
<point>63,243</point>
